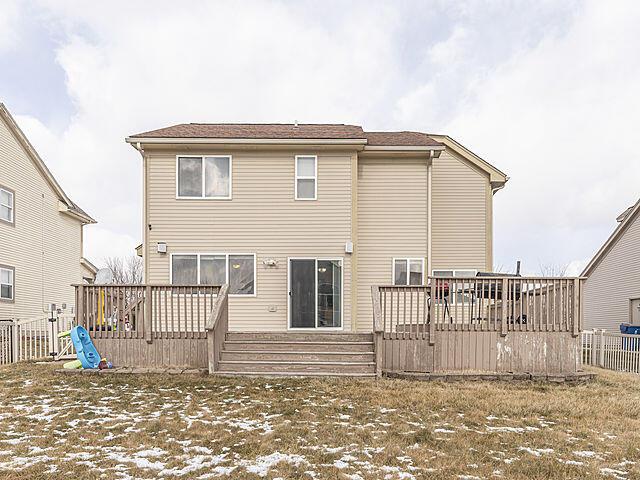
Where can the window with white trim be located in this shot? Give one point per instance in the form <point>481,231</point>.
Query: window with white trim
<point>238,270</point>
<point>6,205</point>
<point>462,290</point>
<point>408,271</point>
<point>6,284</point>
<point>203,176</point>
<point>306,185</point>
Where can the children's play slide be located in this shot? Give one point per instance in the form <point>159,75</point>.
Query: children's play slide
<point>87,355</point>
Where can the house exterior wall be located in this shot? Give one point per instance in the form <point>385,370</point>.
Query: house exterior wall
<point>462,215</point>
<point>614,282</point>
<point>381,204</point>
<point>44,246</point>
<point>262,218</point>
<point>392,222</point>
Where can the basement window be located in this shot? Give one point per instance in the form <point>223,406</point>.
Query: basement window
<point>6,283</point>
<point>203,177</point>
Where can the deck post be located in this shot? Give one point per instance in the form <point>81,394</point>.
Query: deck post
<point>147,314</point>
<point>378,330</point>
<point>80,305</point>
<point>505,307</point>
<point>432,317</point>
<point>577,311</point>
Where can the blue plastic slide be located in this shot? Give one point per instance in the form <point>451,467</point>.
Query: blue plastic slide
<point>86,351</point>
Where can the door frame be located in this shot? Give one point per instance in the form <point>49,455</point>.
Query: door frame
<point>631,300</point>
<point>289,312</point>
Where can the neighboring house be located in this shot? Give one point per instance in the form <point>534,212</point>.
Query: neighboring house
<point>40,232</point>
<point>612,288</point>
<point>302,219</point>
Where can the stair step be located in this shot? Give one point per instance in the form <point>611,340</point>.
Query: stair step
<point>301,356</point>
<point>273,366</point>
<point>301,336</point>
<point>293,374</point>
<point>249,345</point>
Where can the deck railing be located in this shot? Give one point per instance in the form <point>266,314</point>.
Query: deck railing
<point>498,304</point>
<point>145,311</point>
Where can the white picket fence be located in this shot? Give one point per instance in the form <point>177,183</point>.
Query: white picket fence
<point>35,339</point>
<point>611,350</point>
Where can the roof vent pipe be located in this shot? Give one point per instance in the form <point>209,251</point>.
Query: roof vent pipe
<point>295,123</point>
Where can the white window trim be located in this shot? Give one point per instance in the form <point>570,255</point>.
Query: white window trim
<point>475,272</point>
<point>12,271</point>
<point>202,188</point>
<point>453,299</point>
<point>226,276</point>
<point>306,177</point>
<point>407,260</point>
<point>12,206</point>
<point>289,312</point>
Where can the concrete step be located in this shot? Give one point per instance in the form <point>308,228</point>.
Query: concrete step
<point>275,367</point>
<point>314,336</point>
<point>315,346</point>
<point>299,356</point>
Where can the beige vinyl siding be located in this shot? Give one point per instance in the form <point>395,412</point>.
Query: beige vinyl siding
<point>392,222</point>
<point>461,217</point>
<point>44,246</point>
<point>614,281</point>
<point>261,218</point>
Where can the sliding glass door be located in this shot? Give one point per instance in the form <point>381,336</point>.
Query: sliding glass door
<point>315,293</point>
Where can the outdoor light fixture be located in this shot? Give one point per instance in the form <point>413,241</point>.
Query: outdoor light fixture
<point>162,247</point>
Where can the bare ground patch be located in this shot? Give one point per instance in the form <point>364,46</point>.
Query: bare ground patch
<point>131,426</point>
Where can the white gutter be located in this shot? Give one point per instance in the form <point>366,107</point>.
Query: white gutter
<point>403,148</point>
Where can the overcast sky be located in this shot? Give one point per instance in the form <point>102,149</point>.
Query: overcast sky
<point>549,92</point>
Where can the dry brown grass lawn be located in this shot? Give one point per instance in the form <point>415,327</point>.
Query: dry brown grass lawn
<point>54,425</point>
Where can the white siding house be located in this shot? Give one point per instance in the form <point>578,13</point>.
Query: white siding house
<point>40,232</point>
<point>612,289</point>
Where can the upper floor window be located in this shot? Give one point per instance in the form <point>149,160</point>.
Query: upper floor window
<point>6,205</point>
<point>203,176</point>
<point>408,271</point>
<point>6,283</point>
<point>306,177</point>
<point>238,270</point>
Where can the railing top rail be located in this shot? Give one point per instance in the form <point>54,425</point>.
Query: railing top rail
<point>508,277</point>
<point>217,309</point>
<point>142,285</point>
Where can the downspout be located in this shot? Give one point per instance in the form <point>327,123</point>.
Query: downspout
<point>145,243</point>
<point>429,210</point>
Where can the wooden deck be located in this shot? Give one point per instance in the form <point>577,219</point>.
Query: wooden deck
<point>499,325</point>
<point>484,325</point>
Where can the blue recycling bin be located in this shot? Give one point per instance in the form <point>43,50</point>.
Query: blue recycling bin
<point>629,343</point>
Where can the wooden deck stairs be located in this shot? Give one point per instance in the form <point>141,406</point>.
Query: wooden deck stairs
<point>298,354</point>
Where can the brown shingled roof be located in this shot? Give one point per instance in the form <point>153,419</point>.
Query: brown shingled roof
<point>265,130</point>
<point>394,139</point>
<point>289,130</point>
